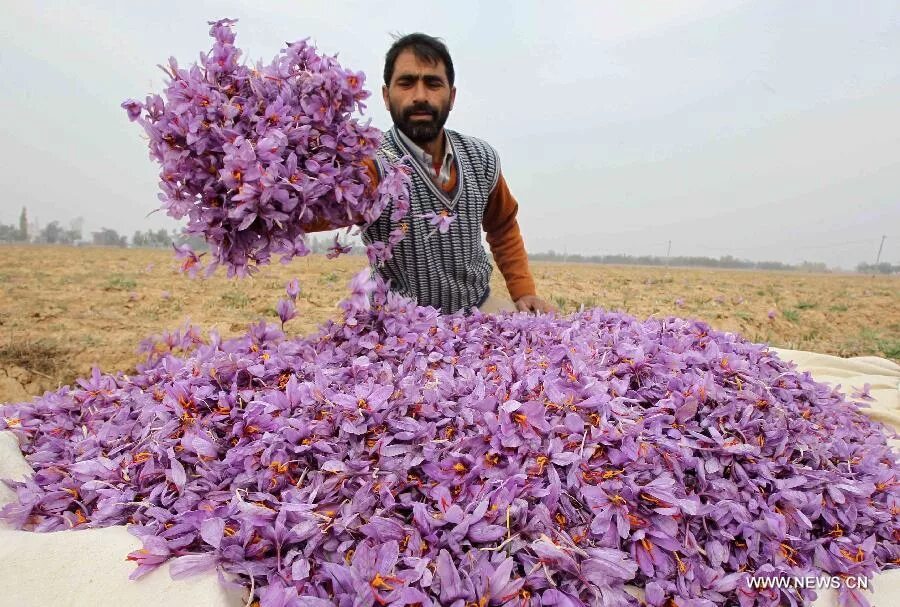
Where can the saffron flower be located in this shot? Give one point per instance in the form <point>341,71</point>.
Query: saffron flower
<point>293,289</point>
<point>286,310</point>
<point>441,221</point>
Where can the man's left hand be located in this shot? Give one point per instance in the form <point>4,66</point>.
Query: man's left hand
<point>533,303</point>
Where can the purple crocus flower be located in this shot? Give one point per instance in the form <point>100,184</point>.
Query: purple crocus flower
<point>134,109</point>
<point>293,289</point>
<point>338,249</point>
<point>361,286</point>
<point>154,553</point>
<point>191,261</point>
<point>441,220</point>
<point>286,310</point>
<point>863,393</point>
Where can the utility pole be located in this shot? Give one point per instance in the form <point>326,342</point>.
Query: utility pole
<point>881,246</point>
<point>668,251</point>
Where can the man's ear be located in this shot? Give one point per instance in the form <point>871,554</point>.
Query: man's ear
<point>452,97</point>
<point>384,95</point>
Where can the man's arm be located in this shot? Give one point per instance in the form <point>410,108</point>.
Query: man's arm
<point>508,248</point>
<point>320,225</point>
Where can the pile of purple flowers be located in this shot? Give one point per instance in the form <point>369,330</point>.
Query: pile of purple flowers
<point>252,155</point>
<point>403,457</point>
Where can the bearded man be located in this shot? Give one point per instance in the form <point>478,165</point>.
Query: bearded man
<point>457,190</point>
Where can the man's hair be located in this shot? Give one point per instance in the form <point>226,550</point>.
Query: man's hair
<point>425,47</point>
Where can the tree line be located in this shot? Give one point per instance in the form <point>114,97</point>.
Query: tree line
<point>879,268</point>
<point>55,233</point>
<point>726,261</point>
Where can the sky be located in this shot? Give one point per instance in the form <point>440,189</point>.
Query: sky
<point>765,130</point>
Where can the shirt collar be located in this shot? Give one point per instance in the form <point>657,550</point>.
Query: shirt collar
<point>424,158</point>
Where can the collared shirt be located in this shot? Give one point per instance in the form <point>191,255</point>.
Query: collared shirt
<point>427,160</point>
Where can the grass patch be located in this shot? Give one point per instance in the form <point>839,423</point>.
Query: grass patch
<point>235,299</point>
<point>806,305</point>
<point>791,315</point>
<point>329,278</point>
<point>871,342</point>
<point>41,357</point>
<point>118,282</point>
<point>89,341</point>
<point>838,308</point>
<point>869,335</point>
<point>560,302</point>
<point>889,347</point>
<point>744,315</point>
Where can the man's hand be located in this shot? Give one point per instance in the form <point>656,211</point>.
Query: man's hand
<point>533,303</point>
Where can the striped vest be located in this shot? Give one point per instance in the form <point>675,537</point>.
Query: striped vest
<point>449,271</point>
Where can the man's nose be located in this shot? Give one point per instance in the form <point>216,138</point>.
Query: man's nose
<point>420,92</point>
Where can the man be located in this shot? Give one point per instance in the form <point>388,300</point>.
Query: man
<point>456,190</point>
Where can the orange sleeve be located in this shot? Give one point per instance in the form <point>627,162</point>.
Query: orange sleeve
<point>506,242</point>
<point>322,225</point>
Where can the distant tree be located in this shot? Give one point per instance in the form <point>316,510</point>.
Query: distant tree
<point>109,238</point>
<point>69,237</point>
<point>811,266</point>
<point>881,268</point>
<point>161,238</point>
<point>8,233</point>
<point>23,225</point>
<point>11,233</point>
<point>51,234</point>
<point>76,227</point>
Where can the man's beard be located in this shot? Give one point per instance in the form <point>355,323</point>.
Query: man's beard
<point>420,131</point>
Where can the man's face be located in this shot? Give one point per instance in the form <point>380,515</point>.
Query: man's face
<point>419,97</point>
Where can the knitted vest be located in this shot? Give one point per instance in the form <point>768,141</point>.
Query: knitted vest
<point>449,271</point>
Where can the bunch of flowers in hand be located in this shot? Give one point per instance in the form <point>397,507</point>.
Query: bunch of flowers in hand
<point>252,155</point>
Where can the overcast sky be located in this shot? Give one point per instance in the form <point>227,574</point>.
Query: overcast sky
<point>764,130</point>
